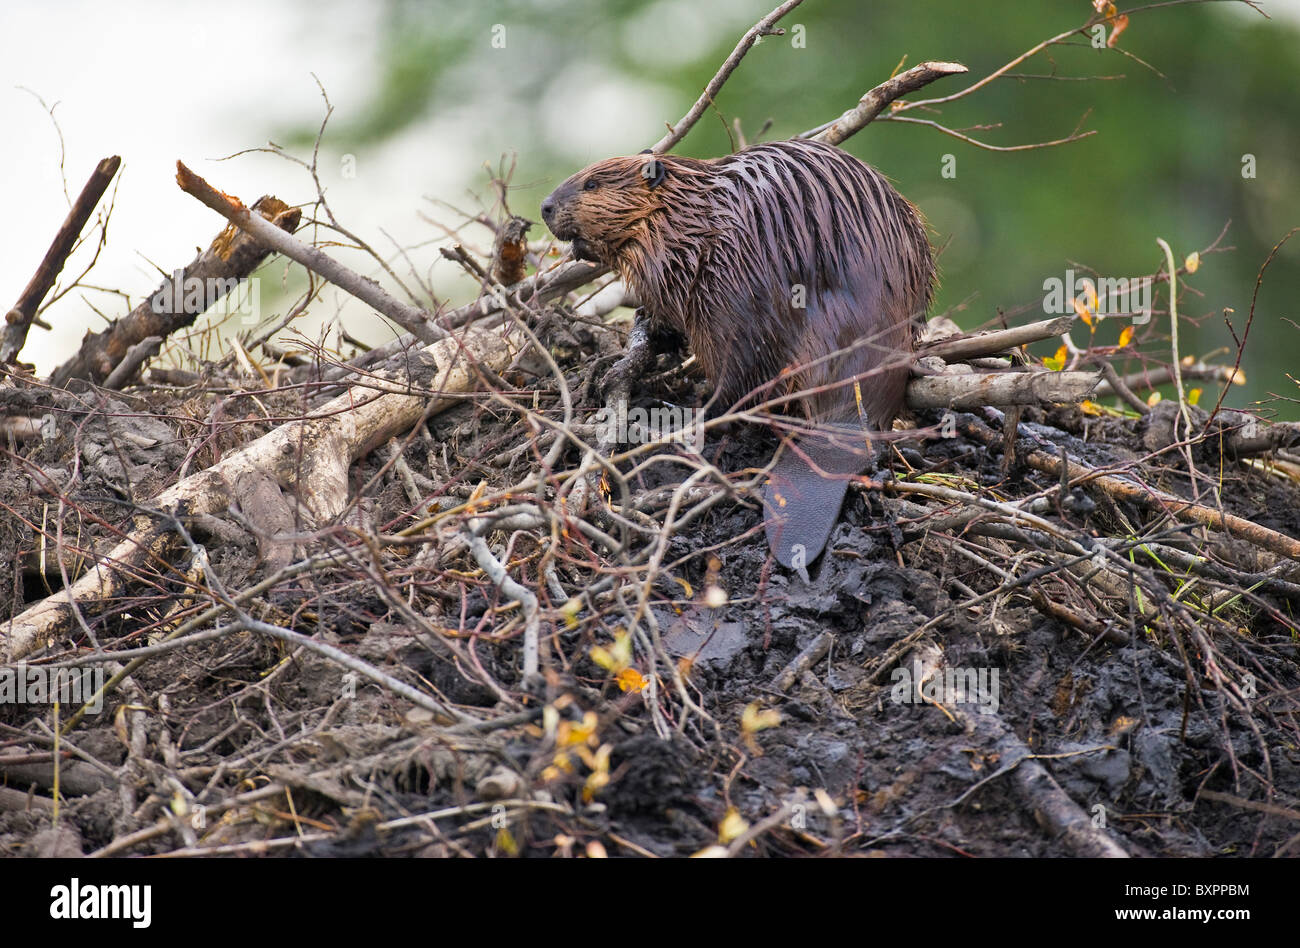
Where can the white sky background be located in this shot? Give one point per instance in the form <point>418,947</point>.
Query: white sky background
<point>158,81</point>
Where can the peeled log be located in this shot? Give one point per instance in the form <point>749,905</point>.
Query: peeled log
<point>318,449</point>
<point>970,390</point>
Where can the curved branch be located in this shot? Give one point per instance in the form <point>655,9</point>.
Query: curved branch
<point>874,102</point>
<point>762,28</point>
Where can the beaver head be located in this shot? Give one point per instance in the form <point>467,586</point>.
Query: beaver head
<point>606,205</point>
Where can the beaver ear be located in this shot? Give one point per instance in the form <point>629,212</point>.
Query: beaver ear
<point>654,172</point>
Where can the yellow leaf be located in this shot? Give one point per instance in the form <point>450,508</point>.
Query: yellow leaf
<point>1153,399</point>
<point>1193,262</point>
<point>1081,308</point>
<point>614,659</point>
<point>1193,396</point>
<point>604,658</point>
<point>1057,362</point>
<point>568,733</point>
<point>711,852</point>
<point>1126,336</point>
<point>506,842</point>
<point>732,825</point>
<point>752,720</point>
<point>595,783</point>
<point>1090,408</point>
<point>570,612</point>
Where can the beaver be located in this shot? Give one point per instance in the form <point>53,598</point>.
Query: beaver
<point>795,271</point>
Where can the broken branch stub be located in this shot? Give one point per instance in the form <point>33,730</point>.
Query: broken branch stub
<point>231,257</point>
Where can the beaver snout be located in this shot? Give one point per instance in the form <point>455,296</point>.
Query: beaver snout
<point>557,213</point>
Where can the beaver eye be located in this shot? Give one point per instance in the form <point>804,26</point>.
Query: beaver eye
<point>590,185</point>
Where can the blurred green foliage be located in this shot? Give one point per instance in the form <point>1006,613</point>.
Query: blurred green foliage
<point>1190,91</point>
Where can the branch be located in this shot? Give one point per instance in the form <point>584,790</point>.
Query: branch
<point>762,28</point>
<point>968,391</point>
<point>231,257</point>
<point>410,318</point>
<point>1030,146</point>
<point>309,456</point>
<point>961,348</point>
<point>23,314</point>
<point>874,102</point>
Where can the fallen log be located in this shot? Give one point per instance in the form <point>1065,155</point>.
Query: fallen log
<point>969,390</point>
<point>309,456</point>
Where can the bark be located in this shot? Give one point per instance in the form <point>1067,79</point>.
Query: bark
<point>310,457</point>
<point>232,256</point>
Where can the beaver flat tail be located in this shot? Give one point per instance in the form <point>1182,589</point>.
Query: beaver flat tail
<point>806,488</point>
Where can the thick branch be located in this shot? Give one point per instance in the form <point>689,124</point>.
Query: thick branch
<point>214,273</point>
<point>961,348</point>
<point>975,390</point>
<point>310,457</point>
<point>875,101</point>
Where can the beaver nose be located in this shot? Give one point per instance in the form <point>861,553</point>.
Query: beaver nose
<point>548,210</point>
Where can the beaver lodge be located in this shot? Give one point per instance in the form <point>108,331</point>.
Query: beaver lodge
<point>444,597</point>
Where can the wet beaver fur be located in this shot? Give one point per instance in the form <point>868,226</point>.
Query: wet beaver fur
<point>796,273</point>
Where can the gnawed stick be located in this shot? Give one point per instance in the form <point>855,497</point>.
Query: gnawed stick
<point>971,390</point>
<point>1154,378</point>
<point>874,102</point>
<point>1125,489</point>
<point>961,348</point>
